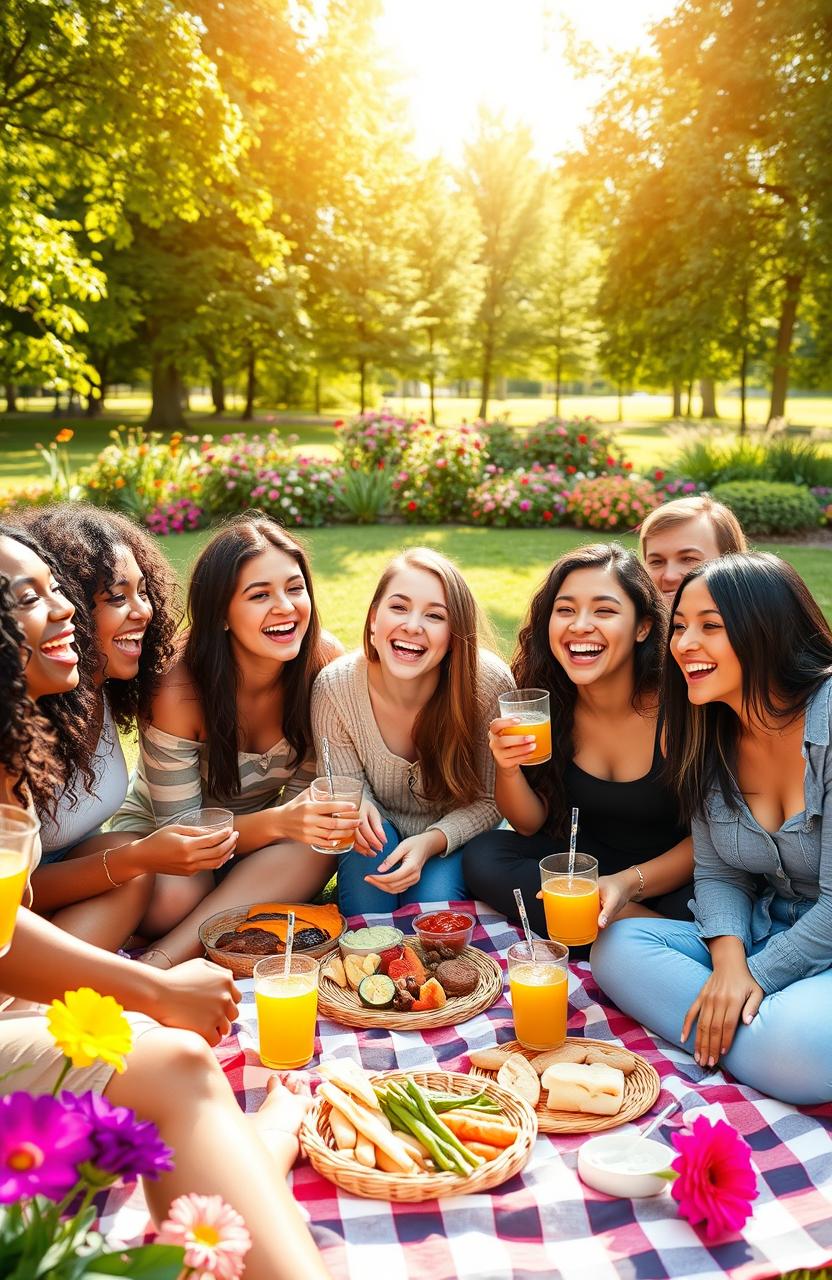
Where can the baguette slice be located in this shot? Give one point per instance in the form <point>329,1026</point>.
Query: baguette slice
<point>518,1076</point>
<point>489,1059</point>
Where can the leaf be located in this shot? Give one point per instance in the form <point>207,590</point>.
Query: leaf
<point>146,1262</point>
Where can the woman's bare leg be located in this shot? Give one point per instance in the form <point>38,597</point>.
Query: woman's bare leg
<point>174,898</point>
<point>285,872</point>
<point>217,1151</point>
<point>108,919</point>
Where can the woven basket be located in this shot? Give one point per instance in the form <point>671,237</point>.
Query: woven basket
<point>641,1089</point>
<point>372,1184</point>
<point>343,1005</point>
<point>243,966</point>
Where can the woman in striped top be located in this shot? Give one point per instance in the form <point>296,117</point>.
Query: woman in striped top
<point>230,725</point>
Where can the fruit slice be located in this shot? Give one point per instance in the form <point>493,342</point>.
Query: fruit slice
<point>377,991</point>
<point>392,953</point>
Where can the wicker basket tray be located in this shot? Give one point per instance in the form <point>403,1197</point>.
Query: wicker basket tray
<point>243,966</point>
<point>372,1184</point>
<point>345,1007</point>
<point>641,1089</point>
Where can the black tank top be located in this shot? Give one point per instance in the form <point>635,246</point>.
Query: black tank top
<point>624,822</point>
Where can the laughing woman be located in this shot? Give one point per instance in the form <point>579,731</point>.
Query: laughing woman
<point>230,726</point>
<point>748,694</point>
<point>410,716</point>
<point>594,639</point>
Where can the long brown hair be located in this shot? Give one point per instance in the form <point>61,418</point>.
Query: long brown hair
<point>208,657</point>
<point>444,729</point>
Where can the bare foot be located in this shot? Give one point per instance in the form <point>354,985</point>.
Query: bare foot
<point>288,1099</point>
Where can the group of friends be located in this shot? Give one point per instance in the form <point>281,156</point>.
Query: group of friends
<point>691,704</point>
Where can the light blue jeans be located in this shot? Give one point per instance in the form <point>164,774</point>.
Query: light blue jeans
<point>653,970</point>
<point>441,881</point>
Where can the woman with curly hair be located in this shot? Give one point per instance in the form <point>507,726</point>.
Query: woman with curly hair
<point>98,886</point>
<point>594,639</point>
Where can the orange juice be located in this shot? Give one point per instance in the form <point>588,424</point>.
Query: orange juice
<point>286,1011</point>
<point>14,871</point>
<point>534,726</point>
<point>538,1002</point>
<point>572,909</point>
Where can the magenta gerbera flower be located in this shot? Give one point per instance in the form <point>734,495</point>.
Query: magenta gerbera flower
<point>715,1183</point>
<point>122,1146</point>
<point>41,1145</point>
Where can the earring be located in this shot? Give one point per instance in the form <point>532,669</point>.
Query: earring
<point>225,626</point>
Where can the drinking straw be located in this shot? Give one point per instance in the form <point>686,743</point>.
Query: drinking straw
<point>654,1124</point>
<point>524,920</point>
<point>327,764</point>
<point>573,843</point>
<point>290,938</point>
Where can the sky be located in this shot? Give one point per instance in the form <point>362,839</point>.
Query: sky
<point>508,54</point>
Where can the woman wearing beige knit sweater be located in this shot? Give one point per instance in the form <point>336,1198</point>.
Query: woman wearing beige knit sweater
<point>410,715</point>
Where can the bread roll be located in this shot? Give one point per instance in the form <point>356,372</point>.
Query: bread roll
<point>587,1087</point>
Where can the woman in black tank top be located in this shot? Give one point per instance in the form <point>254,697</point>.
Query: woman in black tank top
<point>595,639</point>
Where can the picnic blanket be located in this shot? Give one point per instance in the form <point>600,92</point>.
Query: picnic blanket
<point>545,1221</point>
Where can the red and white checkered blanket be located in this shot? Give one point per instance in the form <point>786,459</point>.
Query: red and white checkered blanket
<point>545,1222</point>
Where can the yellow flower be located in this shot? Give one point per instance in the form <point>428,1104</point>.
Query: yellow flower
<point>86,1026</point>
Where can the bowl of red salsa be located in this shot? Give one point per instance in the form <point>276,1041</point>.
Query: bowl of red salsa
<point>451,929</point>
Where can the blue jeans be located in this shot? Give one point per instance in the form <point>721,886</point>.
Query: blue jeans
<point>654,970</point>
<point>441,881</point>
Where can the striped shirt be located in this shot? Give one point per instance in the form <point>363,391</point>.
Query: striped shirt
<point>171,779</point>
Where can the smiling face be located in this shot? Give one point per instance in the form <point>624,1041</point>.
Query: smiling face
<point>672,552</point>
<point>411,631</point>
<point>122,614</point>
<point>44,615</point>
<point>269,612</point>
<point>699,643</point>
<point>593,626</point>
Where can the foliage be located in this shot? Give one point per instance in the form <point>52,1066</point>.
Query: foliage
<point>365,496</point>
<point>501,443</point>
<point>713,458</point>
<point>264,472</point>
<point>375,438</point>
<point>823,497</point>
<point>140,470</point>
<point>769,507</point>
<point>439,469</point>
<point>523,499</point>
<point>611,502</point>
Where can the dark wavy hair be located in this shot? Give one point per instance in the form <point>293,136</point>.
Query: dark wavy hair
<point>69,715</point>
<point>534,667</point>
<point>783,644</point>
<point>26,740</point>
<point>84,540</point>
<point>207,653</point>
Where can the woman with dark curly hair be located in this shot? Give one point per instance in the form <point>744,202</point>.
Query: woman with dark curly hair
<point>98,886</point>
<point>594,639</point>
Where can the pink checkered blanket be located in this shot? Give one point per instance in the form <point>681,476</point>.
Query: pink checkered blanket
<point>544,1221</point>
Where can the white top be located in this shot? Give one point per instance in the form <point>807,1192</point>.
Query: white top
<point>73,823</point>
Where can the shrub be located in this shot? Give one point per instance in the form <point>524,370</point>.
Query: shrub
<point>526,499</point>
<point>35,495</point>
<point>611,502</point>
<point>823,497</point>
<point>439,470</point>
<point>798,462</point>
<point>718,459</point>
<point>140,470</point>
<point>181,516</point>
<point>365,496</point>
<point>501,444</point>
<point>373,438</point>
<point>764,506</point>
<point>574,447</point>
<point>667,484</point>
<point>236,470</point>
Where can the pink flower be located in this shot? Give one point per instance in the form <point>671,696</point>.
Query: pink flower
<point>715,1183</point>
<point>213,1235</point>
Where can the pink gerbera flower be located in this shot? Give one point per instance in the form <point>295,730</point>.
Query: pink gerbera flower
<point>715,1183</point>
<point>212,1234</point>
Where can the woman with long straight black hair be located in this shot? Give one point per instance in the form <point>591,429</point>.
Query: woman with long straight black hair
<point>748,708</point>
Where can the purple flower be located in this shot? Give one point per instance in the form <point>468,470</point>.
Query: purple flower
<point>121,1145</point>
<point>41,1145</point>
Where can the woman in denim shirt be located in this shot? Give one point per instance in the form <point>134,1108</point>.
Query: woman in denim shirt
<point>748,707</point>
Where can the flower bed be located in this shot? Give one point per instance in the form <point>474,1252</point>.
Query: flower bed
<point>520,498</point>
<point>612,503</point>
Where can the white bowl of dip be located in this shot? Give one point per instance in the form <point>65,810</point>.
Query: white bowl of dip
<point>621,1165</point>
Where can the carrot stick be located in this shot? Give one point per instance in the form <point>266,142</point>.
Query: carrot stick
<point>468,1129</point>
<point>483,1149</point>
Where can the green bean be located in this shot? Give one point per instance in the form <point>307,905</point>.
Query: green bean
<point>434,1123</point>
<point>444,1157</point>
<point>442,1102</point>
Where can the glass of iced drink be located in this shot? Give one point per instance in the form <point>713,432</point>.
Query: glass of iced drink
<point>338,788</point>
<point>539,988</point>
<point>531,708</point>
<point>287,1006</point>
<point>571,902</point>
<point>18,833</point>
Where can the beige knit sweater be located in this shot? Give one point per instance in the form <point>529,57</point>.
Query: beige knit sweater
<point>342,712</point>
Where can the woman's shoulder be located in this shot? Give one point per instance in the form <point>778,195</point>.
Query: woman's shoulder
<point>341,673</point>
<point>819,714</point>
<point>177,707</point>
<point>494,672</point>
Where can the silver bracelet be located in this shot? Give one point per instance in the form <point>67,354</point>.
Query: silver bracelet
<point>115,883</point>
<point>640,889</point>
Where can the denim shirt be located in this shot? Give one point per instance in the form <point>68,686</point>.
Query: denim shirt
<point>732,851</point>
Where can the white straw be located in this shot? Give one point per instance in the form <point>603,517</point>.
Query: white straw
<point>524,920</point>
<point>327,764</point>
<point>290,938</point>
<point>573,843</point>
<point>654,1124</point>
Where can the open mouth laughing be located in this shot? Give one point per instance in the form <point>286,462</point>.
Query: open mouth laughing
<point>280,632</point>
<point>584,652</point>
<point>407,650</point>
<point>130,643</point>
<point>699,670</point>
<point>60,649</point>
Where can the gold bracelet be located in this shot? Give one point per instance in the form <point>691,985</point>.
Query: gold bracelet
<point>157,951</point>
<point>115,883</point>
<point>640,889</point>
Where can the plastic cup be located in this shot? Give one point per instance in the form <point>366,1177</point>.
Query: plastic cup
<point>18,836</point>
<point>214,819</point>
<point>571,904</point>
<point>539,989</point>
<point>287,1006</point>
<point>343,788</point>
<point>531,708</point>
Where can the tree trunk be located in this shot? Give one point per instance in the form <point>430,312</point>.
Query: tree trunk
<point>95,404</point>
<point>251,385</point>
<point>707,390</point>
<point>362,385</point>
<point>317,391</point>
<point>11,397</point>
<point>485,390</point>
<point>676,411</point>
<point>431,378</point>
<point>217,391</point>
<point>558,371</point>
<point>743,356</point>
<point>785,332</point>
<point>166,390</point>
<point>689,408</point>
<point>620,402</point>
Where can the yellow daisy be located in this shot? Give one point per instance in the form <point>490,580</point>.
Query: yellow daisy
<point>86,1026</point>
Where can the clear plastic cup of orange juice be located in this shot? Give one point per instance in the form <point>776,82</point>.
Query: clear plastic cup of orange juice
<point>337,788</point>
<point>538,983</point>
<point>531,708</point>
<point>571,903</point>
<point>287,1006</point>
<point>18,834</point>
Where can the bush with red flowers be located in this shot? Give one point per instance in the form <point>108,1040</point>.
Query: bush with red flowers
<point>437,473</point>
<point>523,499</point>
<point>613,503</point>
<point>374,439</point>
